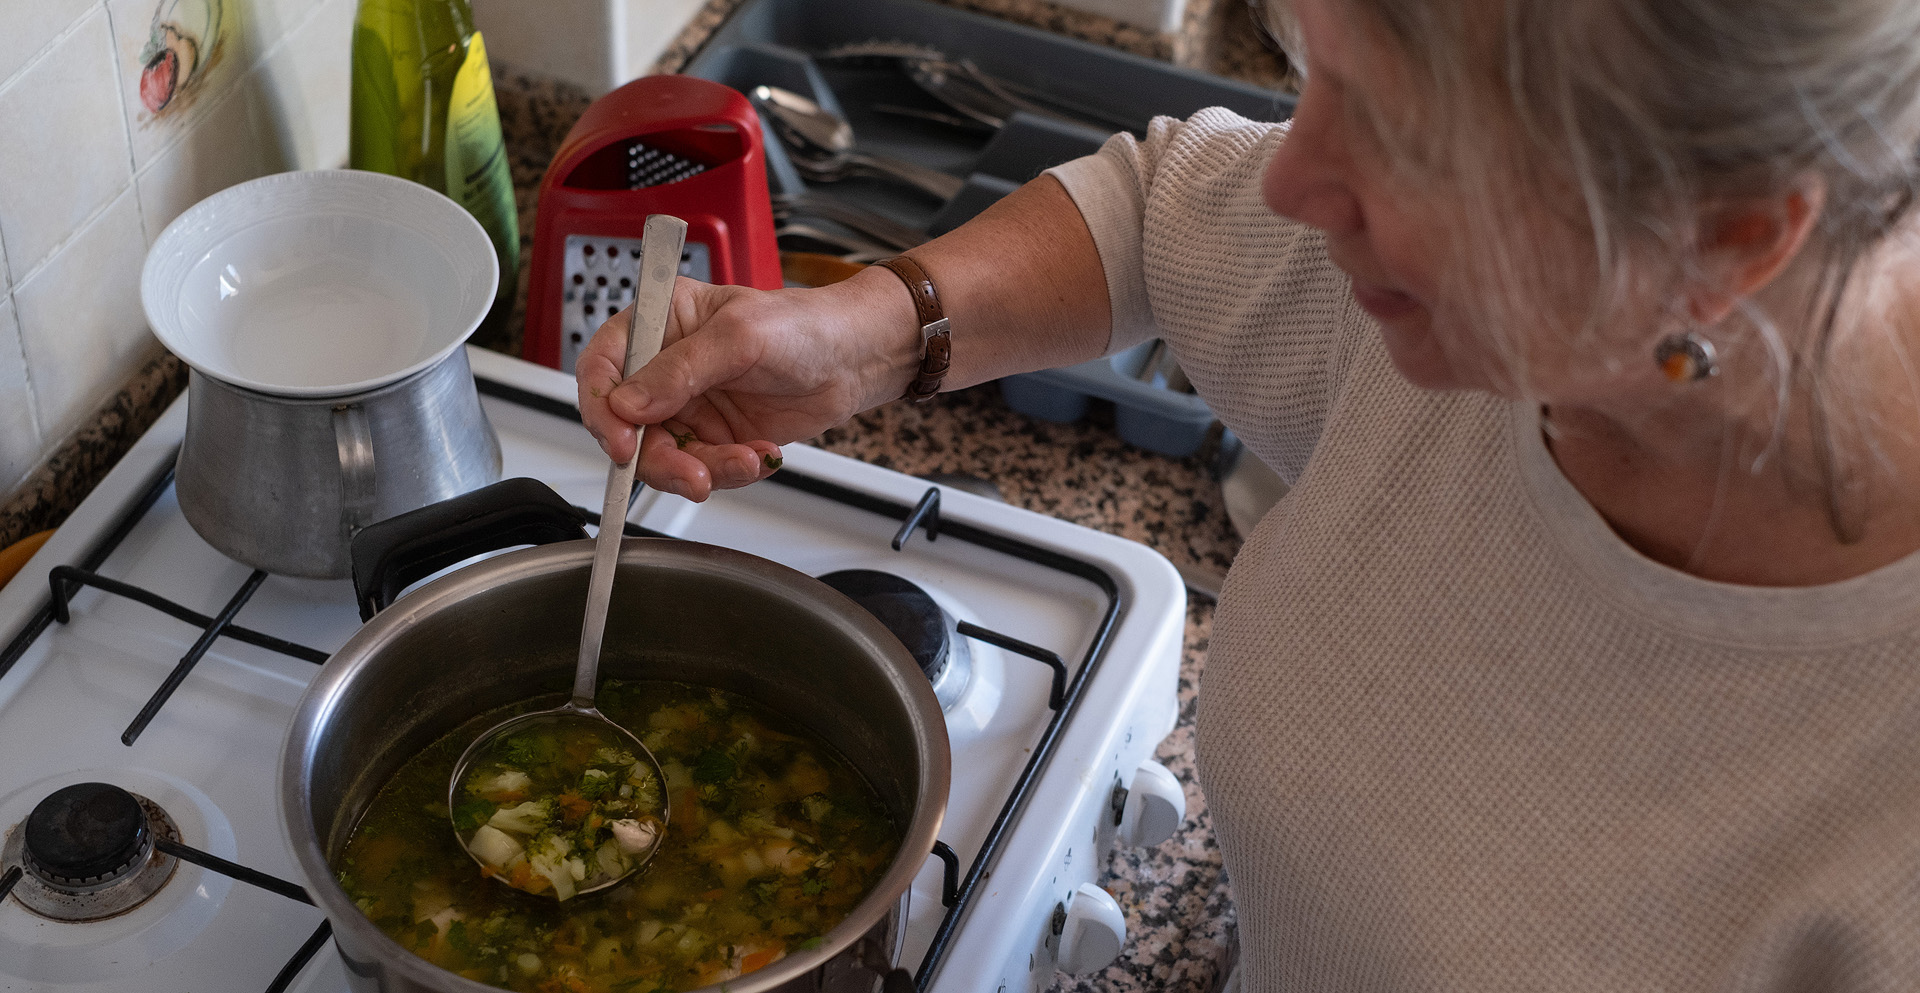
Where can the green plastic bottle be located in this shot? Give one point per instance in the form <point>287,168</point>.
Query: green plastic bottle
<point>423,109</point>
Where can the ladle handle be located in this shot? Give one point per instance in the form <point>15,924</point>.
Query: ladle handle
<point>660,246</point>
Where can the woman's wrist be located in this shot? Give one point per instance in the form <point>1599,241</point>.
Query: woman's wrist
<point>887,342</point>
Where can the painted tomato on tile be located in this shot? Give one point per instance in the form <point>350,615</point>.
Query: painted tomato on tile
<point>184,42</point>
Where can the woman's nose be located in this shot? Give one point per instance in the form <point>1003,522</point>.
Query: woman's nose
<point>1306,181</point>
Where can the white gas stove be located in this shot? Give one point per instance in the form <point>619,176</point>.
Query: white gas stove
<point>1048,771</point>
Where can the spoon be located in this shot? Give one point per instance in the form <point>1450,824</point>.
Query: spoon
<point>512,837</point>
<point>822,146</point>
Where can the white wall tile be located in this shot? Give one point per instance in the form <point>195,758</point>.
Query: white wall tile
<point>30,25</point>
<point>19,432</point>
<point>269,22</point>
<point>305,88</point>
<point>231,144</point>
<point>65,154</point>
<point>221,59</point>
<point>80,320</point>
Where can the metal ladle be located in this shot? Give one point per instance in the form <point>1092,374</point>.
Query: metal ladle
<point>821,143</point>
<point>660,249</point>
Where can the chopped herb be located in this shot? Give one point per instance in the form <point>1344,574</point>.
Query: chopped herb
<point>772,462</point>
<point>520,750</point>
<point>471,813</point>
<point>424,931</point>
<point>457,937</point>
<point>714,766</point>
<point>812,887</point>
<point>683,440</point>
<point>597,787</point>
<point>812,943</point>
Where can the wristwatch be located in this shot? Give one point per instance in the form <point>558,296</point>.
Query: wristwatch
<point>938,349</point>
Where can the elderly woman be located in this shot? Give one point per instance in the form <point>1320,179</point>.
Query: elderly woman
<point>1585,652</point>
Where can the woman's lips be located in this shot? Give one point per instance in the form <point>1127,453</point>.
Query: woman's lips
<point>1383,304</point>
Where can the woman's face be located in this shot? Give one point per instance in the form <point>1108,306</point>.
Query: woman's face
<point>1397,238</point>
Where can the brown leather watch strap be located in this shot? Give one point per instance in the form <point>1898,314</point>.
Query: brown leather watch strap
<point>933,328</point>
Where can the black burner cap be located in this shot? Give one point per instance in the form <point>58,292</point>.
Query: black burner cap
<point>904,608</point>
<point>84,831</point>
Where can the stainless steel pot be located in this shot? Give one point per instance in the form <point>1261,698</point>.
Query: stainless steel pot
<point>282,483</point>
<point>506,629</point>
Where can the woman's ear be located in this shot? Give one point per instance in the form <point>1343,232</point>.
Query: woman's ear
<point>1745,246</point>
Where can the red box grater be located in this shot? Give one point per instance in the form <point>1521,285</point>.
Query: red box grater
<point>659,145</point>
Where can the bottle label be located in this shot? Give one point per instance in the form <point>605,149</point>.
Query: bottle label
<point>476,157</point>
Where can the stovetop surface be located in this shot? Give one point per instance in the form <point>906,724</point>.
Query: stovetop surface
<point>210,756</point>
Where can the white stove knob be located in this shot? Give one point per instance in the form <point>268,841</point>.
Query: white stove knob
<point>1093,931</point>
<point>1155,806</point>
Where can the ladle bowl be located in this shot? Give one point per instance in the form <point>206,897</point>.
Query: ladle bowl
<point>488,745</point>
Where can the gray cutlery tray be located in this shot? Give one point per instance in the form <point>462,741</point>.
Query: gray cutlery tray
<point>774,42</point>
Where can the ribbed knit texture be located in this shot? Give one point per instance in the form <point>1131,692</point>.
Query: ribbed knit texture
<point>1458,736</point>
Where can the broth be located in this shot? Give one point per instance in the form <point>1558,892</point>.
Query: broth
<point>773,840</point>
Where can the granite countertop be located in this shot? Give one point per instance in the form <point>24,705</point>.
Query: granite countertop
<point>1179,909</point>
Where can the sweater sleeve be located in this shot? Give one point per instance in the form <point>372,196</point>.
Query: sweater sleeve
<point>1248,301</point>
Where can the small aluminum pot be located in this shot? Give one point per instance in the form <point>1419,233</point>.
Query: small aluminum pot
<point>282,483</point>
<point>506,629</point>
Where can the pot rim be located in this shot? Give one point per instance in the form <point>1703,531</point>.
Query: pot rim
<point>323,693</point>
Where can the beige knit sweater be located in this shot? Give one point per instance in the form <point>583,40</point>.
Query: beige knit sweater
<point>1457,735</point>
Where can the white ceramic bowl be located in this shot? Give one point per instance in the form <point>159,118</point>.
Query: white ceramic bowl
<point>318,283</point>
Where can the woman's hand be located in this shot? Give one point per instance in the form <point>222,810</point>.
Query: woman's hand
<point>743,371</point>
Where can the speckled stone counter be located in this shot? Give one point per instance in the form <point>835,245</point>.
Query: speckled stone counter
<point>1178,905</point>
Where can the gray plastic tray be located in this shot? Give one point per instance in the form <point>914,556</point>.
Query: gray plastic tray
<point>775,42</point>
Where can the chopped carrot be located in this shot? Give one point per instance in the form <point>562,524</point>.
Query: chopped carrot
<point>713,894</point>
<point>523,878</point>
<point>760,959</point>
<point>573,806</point>
<point>688,820</point>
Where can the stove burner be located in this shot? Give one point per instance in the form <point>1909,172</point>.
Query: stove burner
<point>920,624</point>
<point>88,853</point>
<point>85,835</point>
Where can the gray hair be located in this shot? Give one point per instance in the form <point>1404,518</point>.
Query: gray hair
<point>1656,108</point>
<point>1651,113</point>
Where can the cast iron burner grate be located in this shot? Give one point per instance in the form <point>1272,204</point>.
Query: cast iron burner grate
<point>958,891</point>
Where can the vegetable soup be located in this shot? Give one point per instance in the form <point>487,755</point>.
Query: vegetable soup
<point>772,841</point>
<point>557,806</point>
